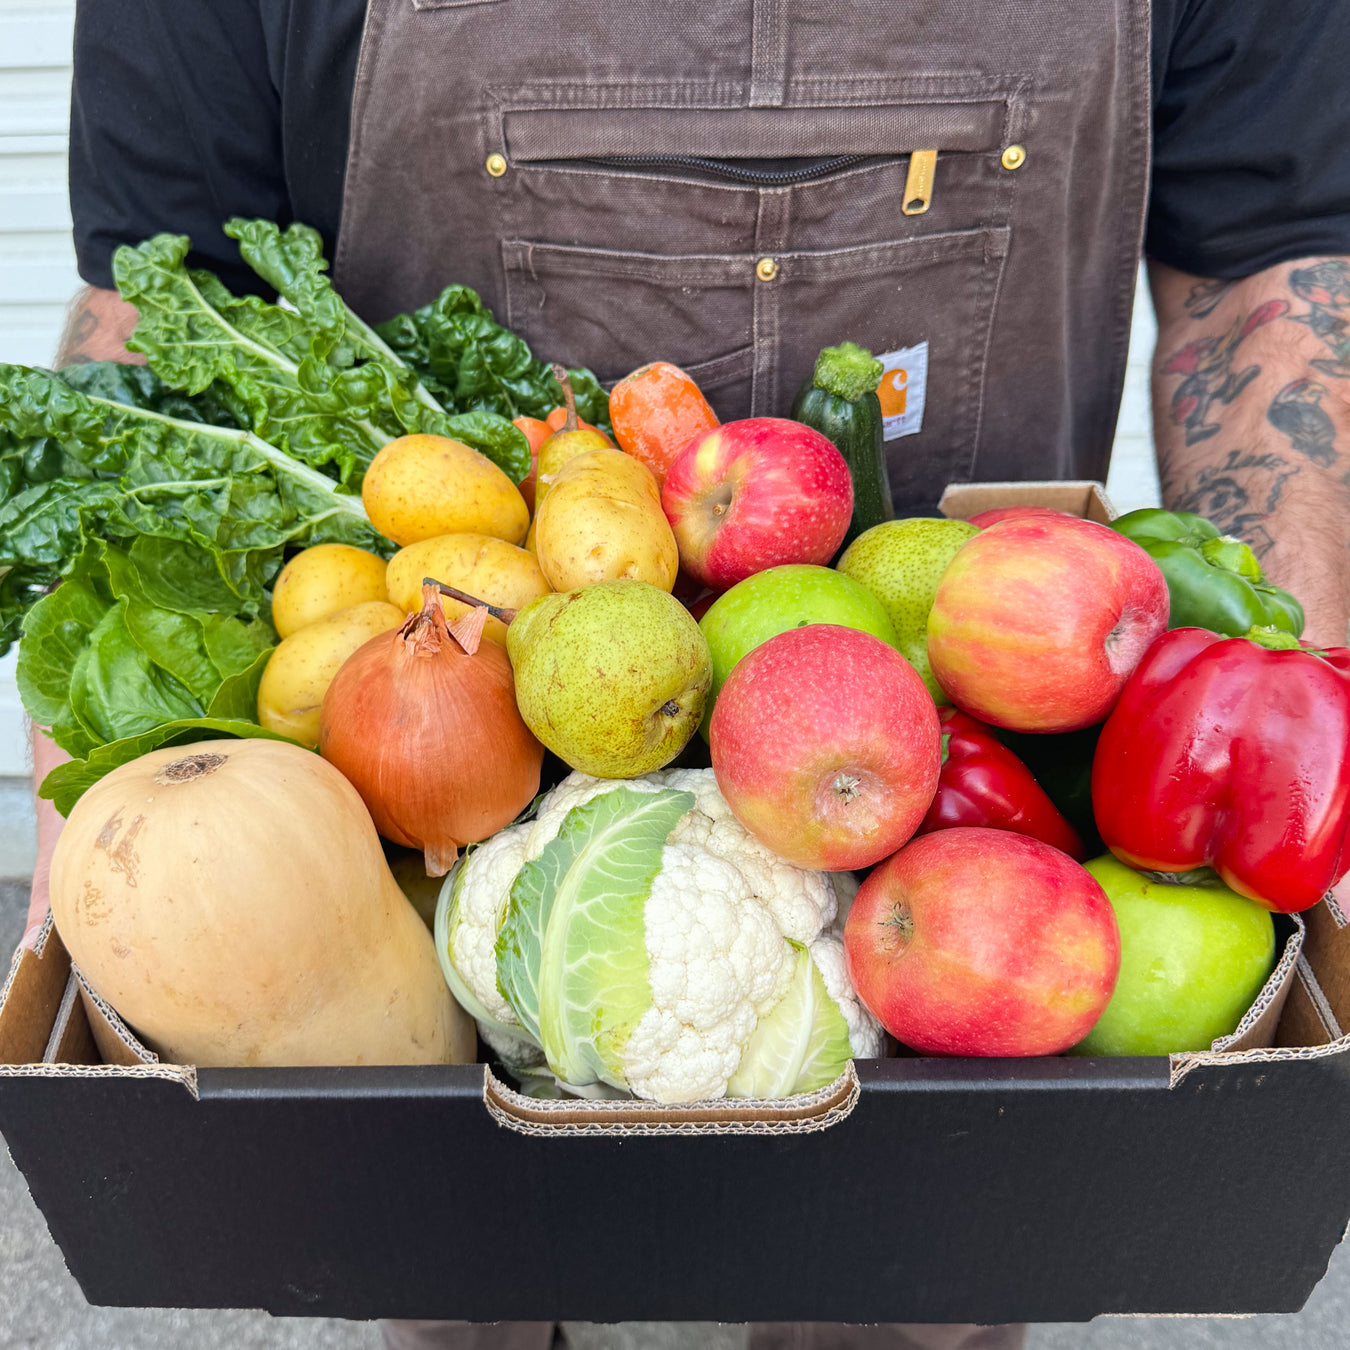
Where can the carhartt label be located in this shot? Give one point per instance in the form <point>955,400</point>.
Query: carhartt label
<point>901,392</point>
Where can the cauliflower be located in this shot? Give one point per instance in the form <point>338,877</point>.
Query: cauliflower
<point>635,934</point>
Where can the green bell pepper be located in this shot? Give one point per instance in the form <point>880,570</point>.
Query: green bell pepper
<point>1214,580</point>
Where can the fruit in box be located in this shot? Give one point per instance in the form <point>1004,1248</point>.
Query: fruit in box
<point>901,563</point>
<point>1038,622</point>
<point>612,677</point>
<point>771,602</point>
<point>983,942</point>
<point>755,494</point>
<point>1193,959</point>
<point>825,745</point>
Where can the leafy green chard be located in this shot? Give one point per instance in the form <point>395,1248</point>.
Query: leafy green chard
<point>471,362</point>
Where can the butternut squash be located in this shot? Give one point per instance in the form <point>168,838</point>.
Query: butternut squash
<point>231,901</point>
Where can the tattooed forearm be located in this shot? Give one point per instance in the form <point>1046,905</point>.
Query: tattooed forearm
<point>1208,377</point>
<point>1239,494</point>
<point>1204,297</point>
<point>97,328</point>
<point>1251,398</point>
<point>1326,287</point>
<point>1297,412</point>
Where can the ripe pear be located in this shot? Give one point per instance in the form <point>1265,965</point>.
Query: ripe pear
<point>612,677</point>
<point>901,563</point>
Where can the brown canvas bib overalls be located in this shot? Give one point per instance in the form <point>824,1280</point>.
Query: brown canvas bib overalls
<point>732,185</point>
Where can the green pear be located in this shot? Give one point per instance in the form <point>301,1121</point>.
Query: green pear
<point>612,677</point>
<point>901,563</point>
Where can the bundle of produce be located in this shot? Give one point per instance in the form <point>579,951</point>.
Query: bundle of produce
<point>165,498</point>
<point>635,935</point>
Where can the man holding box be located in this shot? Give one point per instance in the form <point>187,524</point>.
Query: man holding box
<point>964,188</point>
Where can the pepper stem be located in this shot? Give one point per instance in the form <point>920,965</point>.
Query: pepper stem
<point>1273,639</point>
<point>569,398</point>
<point>847,371</point>
<point>1233,555</point>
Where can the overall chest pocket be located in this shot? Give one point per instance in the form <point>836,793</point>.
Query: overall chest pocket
<point>738,242</point>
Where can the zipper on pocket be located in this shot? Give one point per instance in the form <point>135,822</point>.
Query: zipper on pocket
<point>919,182</point>
<point>751,173</point>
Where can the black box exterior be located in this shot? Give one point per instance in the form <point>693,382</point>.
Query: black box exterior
<point>955,1190</point>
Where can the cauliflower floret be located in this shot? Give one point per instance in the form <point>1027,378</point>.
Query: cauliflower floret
<point>865,1035</point>
<point>483,891</point>
<point>716,962</point>
<point>575,790</point>
<point>802,902</point>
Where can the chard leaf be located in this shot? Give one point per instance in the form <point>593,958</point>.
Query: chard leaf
<point>799,1045</point>
<point>66,783</point>
<point>236,697</point>
<point>571,954</point>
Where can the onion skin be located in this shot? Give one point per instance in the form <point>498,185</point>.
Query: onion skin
<point>422,721</point>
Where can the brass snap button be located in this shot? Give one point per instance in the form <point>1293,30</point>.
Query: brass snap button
<point>766,269</point>
<point>496,165</point>
<point>1014,157</point>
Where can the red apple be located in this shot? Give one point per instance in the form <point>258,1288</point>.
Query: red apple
<point>755,494</point>
<point>1039,621</point>
<point>825,744</point>
<point>983,942</point>
<point>997,513</point>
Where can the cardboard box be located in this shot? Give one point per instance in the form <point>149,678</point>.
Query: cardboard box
<point>910,1190</point>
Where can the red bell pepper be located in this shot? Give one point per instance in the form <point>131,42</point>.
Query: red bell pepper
<point>983,783</point>
<point>1231,753</point>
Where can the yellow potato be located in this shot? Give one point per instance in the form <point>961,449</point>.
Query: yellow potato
<point>420,486</point>
<point>323,580</point>
<point>557,450</point>
<point>476,564</point>
<point>602,521</point>
<point>290,697</point>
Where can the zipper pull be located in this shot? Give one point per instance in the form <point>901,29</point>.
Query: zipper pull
<point>919,182</point>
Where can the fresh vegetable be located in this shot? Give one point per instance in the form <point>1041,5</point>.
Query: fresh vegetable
<point>984,784</point>
<point>419,487</point>
<point>983,942</point>
<point>138,637</point>
<point>490,569</point>
<point>1232,753</point>
<point>423,723</point>
<point>1193,958</point>
<point>471,363</point>
<point>840,401</point>
<point>656,411</point>
<point>323,580</point>
<point>1214,579</point>
<point>292,688</point>
<point>601,520</point>
<point>233,904</point>
<point>635,935</point>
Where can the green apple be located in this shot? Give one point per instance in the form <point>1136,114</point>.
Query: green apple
<point>901,563</point>
<point>1192,960</point>
<point>779,598</point>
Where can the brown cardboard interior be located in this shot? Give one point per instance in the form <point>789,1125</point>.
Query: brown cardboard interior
<point>1085,498</point>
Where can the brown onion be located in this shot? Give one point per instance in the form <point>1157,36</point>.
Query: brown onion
<point>423,722</point>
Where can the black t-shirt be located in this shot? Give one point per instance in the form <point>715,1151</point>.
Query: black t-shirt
<point>186,112</point>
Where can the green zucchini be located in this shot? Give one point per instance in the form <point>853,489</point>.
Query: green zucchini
<point>840,401</point>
